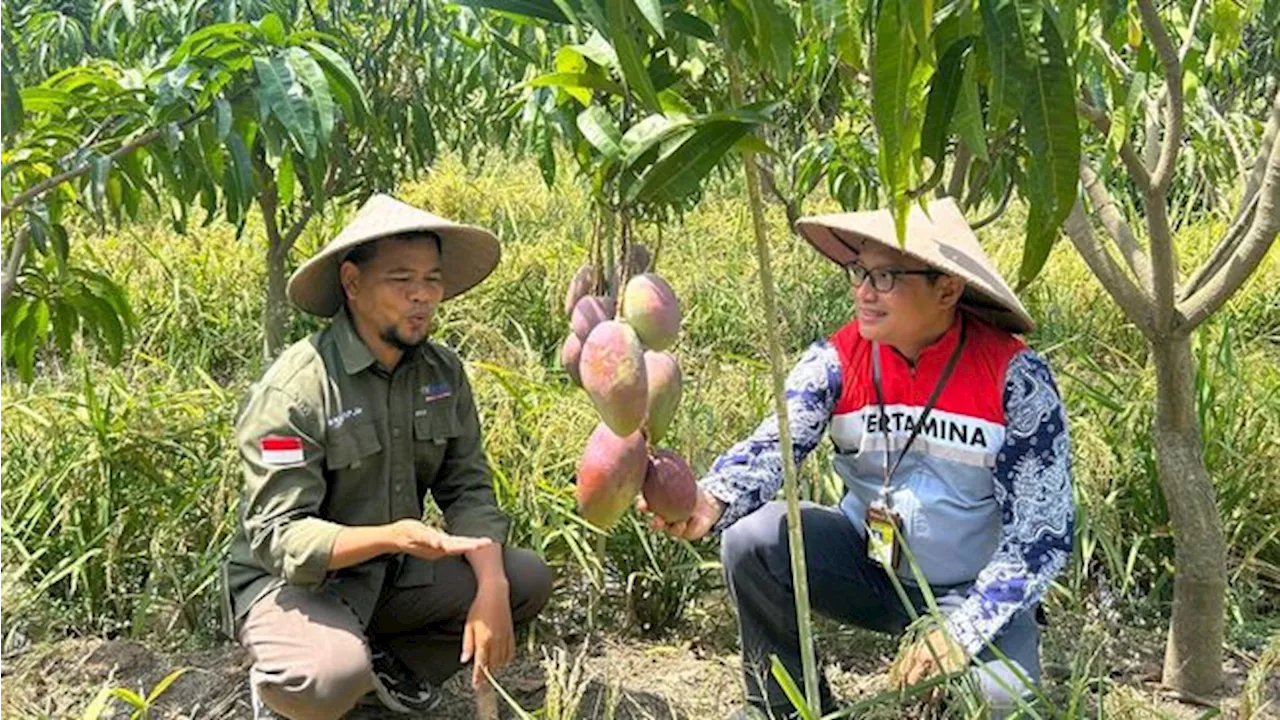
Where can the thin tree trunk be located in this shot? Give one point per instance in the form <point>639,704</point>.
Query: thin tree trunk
<point>795,533</point>
<point>275,313</point>
<point>1193,655</point>
<point>13,264</point>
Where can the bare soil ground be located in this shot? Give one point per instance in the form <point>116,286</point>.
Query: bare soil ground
<point>620,675</point>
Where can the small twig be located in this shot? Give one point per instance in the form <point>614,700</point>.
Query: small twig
<point>1000,207</point>
<point>13,264</point>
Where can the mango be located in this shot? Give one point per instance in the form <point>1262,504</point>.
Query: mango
<point>662,372</point>
<point>651,307</point>
<point>610,474</point>
<point>613,374</point>
<point>570,355</point>
<point>588,313</point>
<point>579,287</point>
<point>669,487</point>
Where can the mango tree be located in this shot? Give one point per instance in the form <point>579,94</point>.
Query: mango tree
<point>1005,86</point>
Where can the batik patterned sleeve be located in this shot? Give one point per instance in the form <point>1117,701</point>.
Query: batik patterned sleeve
<point>1033,488</point>
<point>750,473</point>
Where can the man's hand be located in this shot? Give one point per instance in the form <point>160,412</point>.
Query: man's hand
<point>488,636</point>
<point>414,537</point>
<point>917,663</point>
<point>706,513</point>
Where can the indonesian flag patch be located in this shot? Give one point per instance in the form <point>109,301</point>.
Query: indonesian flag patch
<point>280,450</point>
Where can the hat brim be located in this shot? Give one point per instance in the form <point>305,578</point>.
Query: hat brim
<point>468,255</point>
<point>839,237</point>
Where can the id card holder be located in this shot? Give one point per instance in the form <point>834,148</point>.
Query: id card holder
<point>883,529</point>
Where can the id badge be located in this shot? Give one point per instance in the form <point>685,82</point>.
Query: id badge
<point>883,526</point>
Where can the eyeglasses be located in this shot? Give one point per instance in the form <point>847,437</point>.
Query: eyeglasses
<point>881,280</point>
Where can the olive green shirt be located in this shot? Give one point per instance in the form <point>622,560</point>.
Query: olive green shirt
<point>328,439</point>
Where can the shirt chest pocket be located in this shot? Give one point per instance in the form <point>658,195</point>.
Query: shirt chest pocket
<point>353,457</point>
<point>435,425</point>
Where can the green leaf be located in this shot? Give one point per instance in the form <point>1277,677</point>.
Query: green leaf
<point>286,180</point>
<point>1006,55</point>
<point>691,25</point>
<point>280,91</point>
<point>223,110</point>
<point>646,134</point>
<point>651,10</point>
<point>943,97</point>
<point>11,102</point>
<point>891,103</point>
<point>1053,144</point>
<point>164,684</point>
<point>751,143</point>
<point>1122,121</point>
<point>599,128</point>
<point>101,168</point>
<point>597,50</point>
<point>967,122</point>
<point>788,684</point>
<point>629,57</point>
<point>542,9</point>
<point>577,80</point>
<point>679,172</point>
<point>272,28</point>
<point>355,105</point>
<point>313,77</point>
<point>775,38</point>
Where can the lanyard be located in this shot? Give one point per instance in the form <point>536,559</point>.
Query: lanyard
<point>924,415</point>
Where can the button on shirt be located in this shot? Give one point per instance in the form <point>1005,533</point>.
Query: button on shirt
<point>327,439</point>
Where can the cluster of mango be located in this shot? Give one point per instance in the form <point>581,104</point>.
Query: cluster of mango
<point>622,360</point>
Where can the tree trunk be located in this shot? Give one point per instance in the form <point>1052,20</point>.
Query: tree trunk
<point>275,313</point>
<point>1193,656</point>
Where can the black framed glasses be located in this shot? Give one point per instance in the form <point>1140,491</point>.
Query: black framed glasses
<point>882,280</point>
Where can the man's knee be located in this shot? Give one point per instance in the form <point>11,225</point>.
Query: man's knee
<point>743,542</point>
<point>531,584</point>
<point>326,684</point>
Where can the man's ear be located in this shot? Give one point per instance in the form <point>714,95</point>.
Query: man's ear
<point>950,289</point>
<point>349,277</point>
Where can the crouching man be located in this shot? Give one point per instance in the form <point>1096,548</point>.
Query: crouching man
<point>337,587</point>
<point>949,435</point>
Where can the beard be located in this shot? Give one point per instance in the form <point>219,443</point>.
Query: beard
<point>393,337</point>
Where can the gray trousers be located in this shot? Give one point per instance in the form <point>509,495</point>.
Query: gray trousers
<point>846,586</point>
<point>311,653</point>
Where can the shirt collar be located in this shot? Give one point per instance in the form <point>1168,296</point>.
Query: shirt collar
<point>356,355</point>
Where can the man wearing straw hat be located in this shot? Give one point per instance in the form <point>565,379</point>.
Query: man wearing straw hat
<point>951,441</point>
<point>337,587</point>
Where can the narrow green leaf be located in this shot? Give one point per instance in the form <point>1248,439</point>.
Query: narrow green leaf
<point>691,25</point>
<point>678,173</point>
<point>223,110</point>
<point>313,77</point>
<point>542,9</point>
<point>775,38</point>
<point>286,180</point>
<point>629,57</point>
<point>164,684</point>
<point>600,129</point>
<point>891,101</point>
<point>941,105</point>
<point>967,122</point>
<point>788,684</point>
<point>577,80</point>
<point>644,135</point>
<point>280,91</point>
<point>355,104</point>
<point>272,28</point>
<point>651,11</point>
<point>1053,144</point>
<point>1006,56</point>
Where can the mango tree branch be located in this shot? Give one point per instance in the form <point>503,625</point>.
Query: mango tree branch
<point>13,264</point>
<point>1225,248</point>
<point>1246,258</point>
<point>150,136</point>
<point>1100,121</point>
<point>1133,303</point>
<point>1191,31</point>
<point>1168,54</point>
<point>959,171</point>
<point>1104,205</point>
<point>1000,207</point>
<point>1259,168</point>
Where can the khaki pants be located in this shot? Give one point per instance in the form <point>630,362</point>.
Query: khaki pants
<point>311,654</point>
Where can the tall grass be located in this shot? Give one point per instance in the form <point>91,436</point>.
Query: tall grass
<point>120,484</point>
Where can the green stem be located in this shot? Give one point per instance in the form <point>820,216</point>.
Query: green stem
<point>795,534</point>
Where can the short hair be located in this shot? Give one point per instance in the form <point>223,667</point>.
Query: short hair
<point>361,254</point>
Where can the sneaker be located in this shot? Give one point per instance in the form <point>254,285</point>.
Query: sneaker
<point>398,689</point>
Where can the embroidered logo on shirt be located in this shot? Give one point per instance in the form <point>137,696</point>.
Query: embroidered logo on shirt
<point>436,391</point>
<point>341,418</point>
<point>280,450</point>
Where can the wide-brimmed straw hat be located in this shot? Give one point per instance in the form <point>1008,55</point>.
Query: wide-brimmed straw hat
<point>467,254</point>
<point>941,239</point>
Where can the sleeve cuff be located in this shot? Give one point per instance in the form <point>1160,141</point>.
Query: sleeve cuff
<point>308,548</point>
<point>486,522</point>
